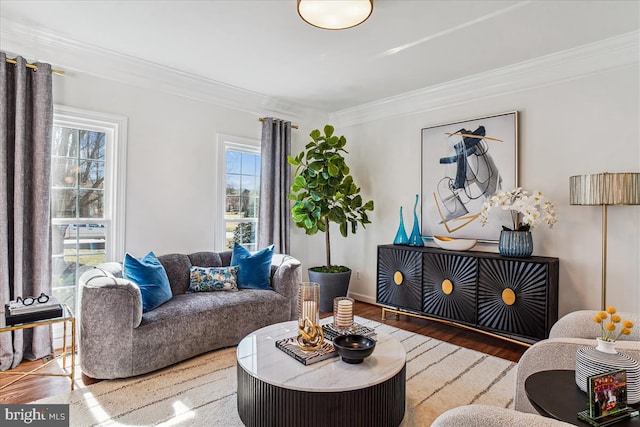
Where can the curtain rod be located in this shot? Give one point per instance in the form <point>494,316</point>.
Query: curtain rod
<point>34,67</point>
<point>262,119</point>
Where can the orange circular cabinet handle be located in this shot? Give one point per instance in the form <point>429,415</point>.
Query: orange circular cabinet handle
<point>508,296</point>
<point>398,278</point>
<point>447,286</point>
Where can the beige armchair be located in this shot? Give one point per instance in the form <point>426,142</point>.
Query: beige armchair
<point>572,331</point>
<point>492,416</point>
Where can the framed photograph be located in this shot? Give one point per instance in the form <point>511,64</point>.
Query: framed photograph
<point>607,393</point>
<point>463,164</point>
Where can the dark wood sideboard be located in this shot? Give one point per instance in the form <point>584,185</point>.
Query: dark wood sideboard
<point>511,298</point>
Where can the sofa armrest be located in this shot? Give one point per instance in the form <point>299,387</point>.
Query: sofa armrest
<point>286,280</point>
<point>110,309</point>
<point>580,324</point>
<point>556,353</point>
<point>490,416</point>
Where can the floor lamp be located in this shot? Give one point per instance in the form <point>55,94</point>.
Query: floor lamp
<point>605,189</point>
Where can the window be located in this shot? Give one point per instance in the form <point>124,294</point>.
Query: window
<point>87,195</point>
<point>239,161</point>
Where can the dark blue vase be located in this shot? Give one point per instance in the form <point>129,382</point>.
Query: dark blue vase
<point>515,244</point>
<point>416,237</point>
<point>401,235</point>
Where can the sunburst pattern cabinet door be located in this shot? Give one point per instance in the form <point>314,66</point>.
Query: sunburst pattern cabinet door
<point>400,278</point>
<point>513,297</point>
<point>449,286</point>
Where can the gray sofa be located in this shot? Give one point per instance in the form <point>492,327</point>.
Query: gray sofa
<point>118,340</point>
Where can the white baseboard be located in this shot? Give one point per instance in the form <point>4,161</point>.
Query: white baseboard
<point>364,298</point>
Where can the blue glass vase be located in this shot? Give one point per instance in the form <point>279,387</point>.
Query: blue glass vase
<point>416,237</point>
<point>515,244</point>
<point>401,235</point>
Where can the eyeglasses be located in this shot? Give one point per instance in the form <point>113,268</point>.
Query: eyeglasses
<point>30,300</point>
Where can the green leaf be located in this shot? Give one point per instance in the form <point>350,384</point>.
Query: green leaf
<point>292,161</point>
<point>343,229</point>
<point>328,130</point>
<point>316,166</point>
<point>315,134</point>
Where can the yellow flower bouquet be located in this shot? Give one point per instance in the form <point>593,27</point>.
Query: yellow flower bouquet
<point>609,322</point>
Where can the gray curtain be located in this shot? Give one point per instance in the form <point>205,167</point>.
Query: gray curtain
<point>275,183</point>
<point>26,121</point>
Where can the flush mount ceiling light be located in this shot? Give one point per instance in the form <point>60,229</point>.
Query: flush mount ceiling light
<point>335,14</point>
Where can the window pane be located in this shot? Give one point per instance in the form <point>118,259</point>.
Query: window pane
<point>233,185</point>
<point>233,207</point>
<point>65,142</point>
<point>63,203</point>
<point>92,144</point>
<point>252,209</point>
<point>64,172</point>
<point>250,164</point>
<point>250,184</point>
<point>91,204</point>
<point>233,161</point>
<point>243,233</point>
<point>75,248</point>
<point>91,174</point>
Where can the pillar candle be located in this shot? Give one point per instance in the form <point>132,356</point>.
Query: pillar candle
<point>309,309</point>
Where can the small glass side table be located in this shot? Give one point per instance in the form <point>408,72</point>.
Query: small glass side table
<point>66,318</point>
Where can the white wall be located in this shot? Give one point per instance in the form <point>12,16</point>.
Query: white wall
<point>171,163</point>
<point>581,126</point>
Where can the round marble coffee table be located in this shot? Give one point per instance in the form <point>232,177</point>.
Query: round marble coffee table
<point>274,389</point>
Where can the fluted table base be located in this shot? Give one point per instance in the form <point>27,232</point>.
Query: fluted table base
<point>263,404</point>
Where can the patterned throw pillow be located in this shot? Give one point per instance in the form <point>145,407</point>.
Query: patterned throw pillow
<point>207,279</point>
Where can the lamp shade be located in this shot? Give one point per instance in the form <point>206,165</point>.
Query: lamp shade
<point>335,14</point>
<point>621,188</point>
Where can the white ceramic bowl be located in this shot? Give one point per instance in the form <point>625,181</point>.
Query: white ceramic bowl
<point>454,244</point>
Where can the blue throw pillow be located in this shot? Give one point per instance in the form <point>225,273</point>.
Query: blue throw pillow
<point>150,277</point>
<point>254,271</point>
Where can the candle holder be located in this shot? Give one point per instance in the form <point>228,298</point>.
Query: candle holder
<point>342,313</point>
<point>310,335</point>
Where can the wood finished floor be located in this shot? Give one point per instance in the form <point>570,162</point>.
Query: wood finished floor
<point>36,387</point>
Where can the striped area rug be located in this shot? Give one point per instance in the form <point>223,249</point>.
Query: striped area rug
<point>202,390</point>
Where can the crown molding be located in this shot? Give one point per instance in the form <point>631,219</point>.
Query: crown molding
<point>77,57</point>
<point>82,58</point>
<point>605,55</point>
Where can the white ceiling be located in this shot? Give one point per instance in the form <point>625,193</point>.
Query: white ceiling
<point>264,47</point>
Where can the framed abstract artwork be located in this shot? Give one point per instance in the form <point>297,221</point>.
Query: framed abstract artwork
<point>463,164</point>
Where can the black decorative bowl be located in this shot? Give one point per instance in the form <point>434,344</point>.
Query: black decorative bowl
<point>354,348</point>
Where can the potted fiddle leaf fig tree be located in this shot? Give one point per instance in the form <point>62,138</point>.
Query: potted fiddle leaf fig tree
<point>323,191</point>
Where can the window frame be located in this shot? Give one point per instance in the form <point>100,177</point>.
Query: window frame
<point>224,143</point>
<point>115,128</point>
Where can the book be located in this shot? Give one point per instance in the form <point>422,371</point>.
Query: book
<point>289,346</point>
<point>330,332</point>
<point>15,307</point>
<point>14,319</point>
<point>607,393</point>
